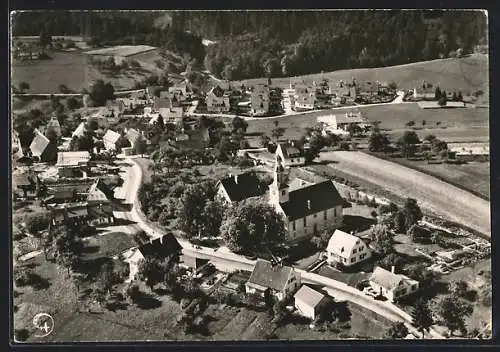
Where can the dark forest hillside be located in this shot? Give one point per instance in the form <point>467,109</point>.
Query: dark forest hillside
<point>277,43</point>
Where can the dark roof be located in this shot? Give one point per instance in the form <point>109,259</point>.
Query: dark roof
<point>269,276</point>
<point>168,246</point>
<point>217,91</point>
<point>75,212</point>
<point>290,150</point>
<point>99,210</point>
<point>100,191</point>
<point>321,196</point>
<point>193,262</point>
<point>243,186</point>
<point>159,103</point>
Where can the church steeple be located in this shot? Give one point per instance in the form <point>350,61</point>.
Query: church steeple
<point>279,187</point>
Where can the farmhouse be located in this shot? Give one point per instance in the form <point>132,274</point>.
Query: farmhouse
<point>114,108</point>
<point>54,126</point>
<point>309,302</point>
<point>338,124</point>
<point>304,97</point>
<point>289,154</point>
<point>120,53</point>
<point>259,99</point>
<point>217,100</point>
<point>238,187</point>
<point>42,149</point>
<point>110,139</point>
<point>346,249</point>
<point>391,285</point>
<point>194,264</point>
<point>161,247</point>
<point>73,164</point>
<point>133,137</point>
<point>306,210</point>
<point>72,214</point>
<point>280,280</point>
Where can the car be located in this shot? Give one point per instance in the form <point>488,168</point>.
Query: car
<point>251,257</point>
<point>371,292</point>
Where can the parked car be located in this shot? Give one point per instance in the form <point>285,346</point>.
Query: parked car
<point>370,291</point>
<point>251,257</point>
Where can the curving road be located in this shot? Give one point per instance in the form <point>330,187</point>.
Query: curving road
<point>225,260</point>
<point>432,194</point>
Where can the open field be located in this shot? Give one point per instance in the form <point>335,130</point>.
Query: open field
<point>473,177</point>
<point>72,70</point>
<point>437,196</point>
<point>467,74</point>
<point>467,124</point>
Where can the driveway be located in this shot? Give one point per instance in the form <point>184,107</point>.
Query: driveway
<point>432,194</point>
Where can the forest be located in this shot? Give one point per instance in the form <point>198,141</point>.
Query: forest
<point>253,44</point>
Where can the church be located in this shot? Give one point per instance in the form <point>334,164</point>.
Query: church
<point>306,210</point>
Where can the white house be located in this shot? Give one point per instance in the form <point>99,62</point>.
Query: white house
<point>217,100</point>
<point>110,138</point>
<point>391,285</point>
<point>304,97</point>
<point>338,124</point>
<point>306,210</point>
<point>309,302</point>
<point>53,125</point>
<point>79,131</point>
<point>346,249</point>
<point>290,155</point>
<point>280,280</point>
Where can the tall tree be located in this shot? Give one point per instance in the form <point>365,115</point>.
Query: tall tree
<point>422,316</point>
<point>453,311</point>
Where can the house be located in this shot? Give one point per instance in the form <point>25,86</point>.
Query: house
<point>25,182</point>
<point>290,154</point>
<point>340,123</point>
<point>217,100</point>
<point>469,151</point>
<point>238,187</point>
<point>259,99</point>
<point>194,264</point>
<point>42,149</point>
<point>73,164</point>
<point>100,213</point>
<point>306,210</point>
<point>114,108</point>
<point>53,125</point>
<point>133,137</point>
<point>280,280</point>
<point>73,214</point>
<point>309,302</point>
<point>304,97</point>
<point>68,192</point>
<point>132,257</point>
<point>160,106</point>
<point>99,192</point>
<point>150,92</point>
<point>346,249</point>
<point>391,285</point>
<point>161,247</point>
<point>110,139</point>
<point>79,131</point>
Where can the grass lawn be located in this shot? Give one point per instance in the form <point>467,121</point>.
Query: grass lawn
<point>466,74</point>
<point>70,69</point>
<point>473,176</point>
<point>107,245</point>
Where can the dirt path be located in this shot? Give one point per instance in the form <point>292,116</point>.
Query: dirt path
<point>432,194</point>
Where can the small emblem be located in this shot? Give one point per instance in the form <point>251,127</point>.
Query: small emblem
<point>44,323</point>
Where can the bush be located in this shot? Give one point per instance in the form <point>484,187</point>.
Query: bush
<point>21,335</point>
<point>22,276</point>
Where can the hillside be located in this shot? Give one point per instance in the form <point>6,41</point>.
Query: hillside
<point>467,74</point>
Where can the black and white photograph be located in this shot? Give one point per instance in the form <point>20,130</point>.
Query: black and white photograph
<point>249,175</point>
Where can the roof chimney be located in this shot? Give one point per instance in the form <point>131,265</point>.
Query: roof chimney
<point>161,239</point>
<point>236,179</point>
<point>393,269</point>
<point>309,204</point>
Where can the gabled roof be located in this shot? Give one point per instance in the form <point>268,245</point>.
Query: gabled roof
<point>266,275</point>
<point>161,103</point>
<point>243,186</point>
<point>311,199</point>
<point>133,135</point>
<point>387,279</point>
<point>99,210</point>
<point>193,262</point>
<point>99,191</point>
<point>72,158</point>
<point>39,144</point>
<point>111,136</point>
<point>342,243</point>
<point>350,117</point>
<point>290,150</point>
<point>53,124</point>
<point>79,131</point>
<point>309,296</point>
<point>161,247</point>
<point>217,91</point>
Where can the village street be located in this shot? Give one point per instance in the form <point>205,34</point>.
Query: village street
<point>225,260</point>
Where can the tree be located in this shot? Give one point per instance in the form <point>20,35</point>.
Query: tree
<point>437,93</point>
<point>252,226</point>
<point>410,123</point>
<point>45,38</point>
<point>393,86</point>
<point>378,142</point>
<point>140,146</point>
<point>452,312</point>
<point>277,132</point>
<point>150,271</point>
<point>397,330</point>
<point>193,209</point>
<point>424,123</point>
<point>239,125</point>
<point>460,96</point>
<point>23,86</point>
<point>421,273</point>
<point>442,101</point>
<point>101,92</point>
<point>63,89</point>
<point>459,288</point>
<point>64,247</point>
<point>279,312</point>
<point>407,143</point>
<point>382,238</point>
<point>454,96</point>
<point>72,103</point>
<point>36,222</point>
<point>213,213</point>
<point>422,316</point>
<point>412,212</point>
<point>430,138</point>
